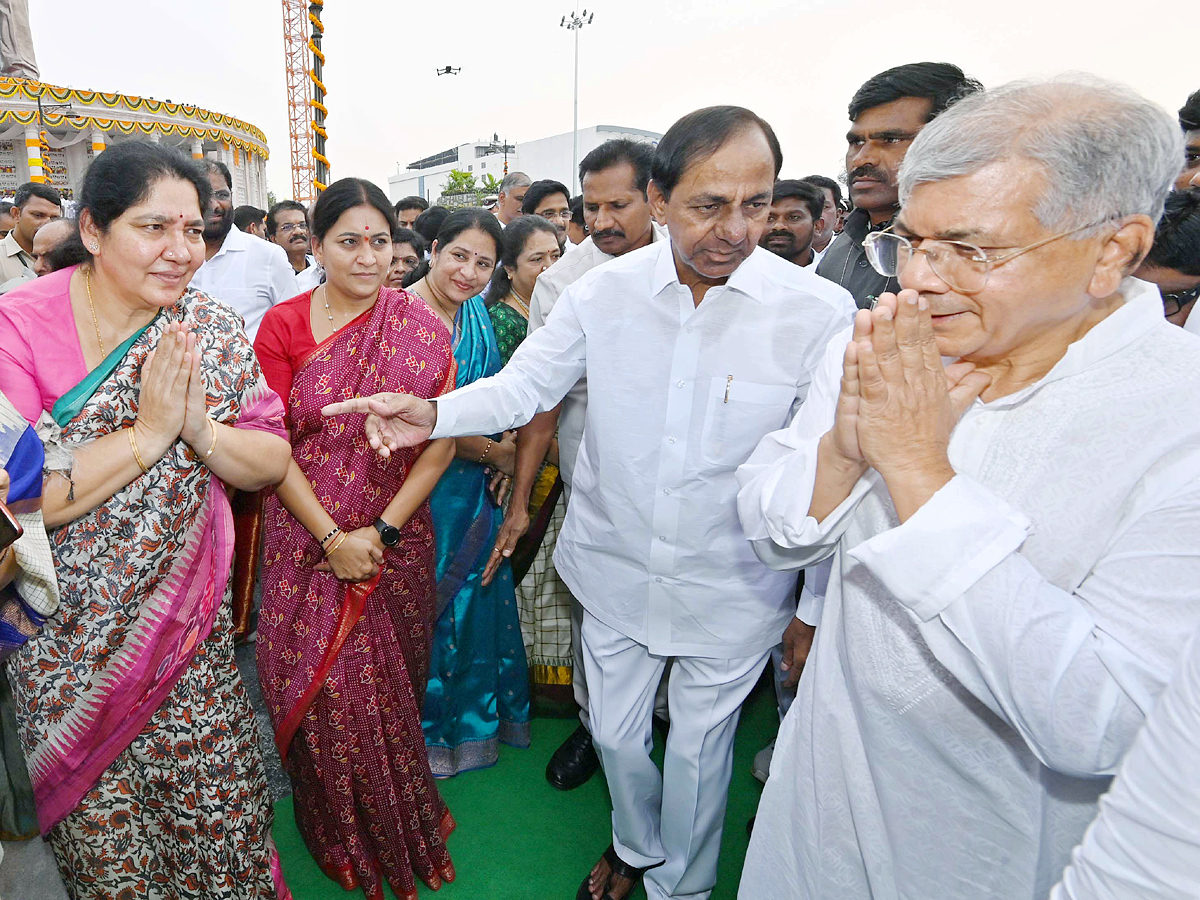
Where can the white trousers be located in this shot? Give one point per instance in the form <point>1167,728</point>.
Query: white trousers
<point>673,818</point>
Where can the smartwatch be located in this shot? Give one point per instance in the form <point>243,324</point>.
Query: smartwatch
<point>389,534</point>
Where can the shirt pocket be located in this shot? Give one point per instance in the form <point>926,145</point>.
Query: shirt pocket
<point>739,415</point>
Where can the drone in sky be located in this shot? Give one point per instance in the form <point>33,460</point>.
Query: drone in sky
<point>449,70</point>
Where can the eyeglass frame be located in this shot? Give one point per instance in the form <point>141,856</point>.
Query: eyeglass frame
<point>982,254</point>
<point>564,215</point>
<point>1191,295</point>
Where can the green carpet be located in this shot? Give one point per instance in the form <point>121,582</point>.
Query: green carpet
<point>520,839</point>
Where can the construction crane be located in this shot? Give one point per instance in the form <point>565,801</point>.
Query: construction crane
<point>303,65</point>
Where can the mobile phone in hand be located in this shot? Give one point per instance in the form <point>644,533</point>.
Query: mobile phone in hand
<point>10,528</point>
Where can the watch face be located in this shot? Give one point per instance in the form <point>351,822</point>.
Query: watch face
<point>389,534</point>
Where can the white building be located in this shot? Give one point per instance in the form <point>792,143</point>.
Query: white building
<point>548,157</point>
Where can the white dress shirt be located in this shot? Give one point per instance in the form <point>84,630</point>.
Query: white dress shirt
<point>1145,844</point>
<point>980,669</point>
<point>249,274</point>
<point>546,291</point>
<point>678,397</point>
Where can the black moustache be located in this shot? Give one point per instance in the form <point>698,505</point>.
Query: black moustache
<point>773,234</point>
<point>868,172</point>
<point>609,233</point>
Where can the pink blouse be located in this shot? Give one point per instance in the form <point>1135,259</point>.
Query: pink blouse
<point>40,356</point>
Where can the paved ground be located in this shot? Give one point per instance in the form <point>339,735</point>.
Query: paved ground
<point>28,871</point>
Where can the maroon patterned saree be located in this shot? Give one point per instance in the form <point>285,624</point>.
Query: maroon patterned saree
<point>343,667</point>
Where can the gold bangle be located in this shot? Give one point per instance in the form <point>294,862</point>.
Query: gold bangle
<point>134,447</point>
<point>213,445</point>
<point>486,450</point>
<point>336,543</point>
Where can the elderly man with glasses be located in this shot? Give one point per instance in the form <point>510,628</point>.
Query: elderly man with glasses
<point>1003,462</point>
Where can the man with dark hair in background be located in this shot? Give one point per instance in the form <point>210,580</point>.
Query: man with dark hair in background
<point>34,205</point>
<point>1189,121</point>
<point>248,274</point>
<point>6,218</point>
<point>510,196</point>
<point>1173,263</point>
<point>886,113</point>
<point>831,213</point>
<point>551,200</point>
<point>577,227</point>
<point>796,210</point>
<point>429,223</point>
<point>695,348</point>
<point>251,220</point>
<point>408,208</point>
<point>287,226</point>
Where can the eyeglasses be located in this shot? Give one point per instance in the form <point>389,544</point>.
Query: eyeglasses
<point>964,267</point>
<point>550,214</point>
<point>222,195</point>
<point>1177,300</point>
<point>290,227</point>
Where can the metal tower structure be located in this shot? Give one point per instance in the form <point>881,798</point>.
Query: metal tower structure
<point>303,61</point>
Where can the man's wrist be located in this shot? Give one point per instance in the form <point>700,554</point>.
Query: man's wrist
<point>913,484</point>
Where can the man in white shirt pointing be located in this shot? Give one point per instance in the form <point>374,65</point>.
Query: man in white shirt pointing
<point>693,350</point>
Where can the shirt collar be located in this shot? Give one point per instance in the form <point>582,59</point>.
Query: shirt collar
<point>1141,311</point>
<point>234,242</point>
<point>11,247</point>
<point>858,225</point>
<point>746,279</point>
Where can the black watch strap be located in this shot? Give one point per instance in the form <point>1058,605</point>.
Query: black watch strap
<point>389,534</point>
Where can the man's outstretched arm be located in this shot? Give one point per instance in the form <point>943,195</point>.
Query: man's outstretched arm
<point>538,376</point>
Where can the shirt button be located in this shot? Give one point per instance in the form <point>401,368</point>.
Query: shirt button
<point>658,578</point>
<point>670,440</point>
<point>662,537</point>
<point>680,383</point>
<point>666,492</point>
<point>862,263</point>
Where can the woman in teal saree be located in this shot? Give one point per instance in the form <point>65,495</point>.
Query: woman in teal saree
<point>478,694</point>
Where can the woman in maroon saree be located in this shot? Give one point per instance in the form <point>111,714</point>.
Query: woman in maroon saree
<point>348,569</point>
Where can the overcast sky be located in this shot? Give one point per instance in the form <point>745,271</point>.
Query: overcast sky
<point>643,63</point>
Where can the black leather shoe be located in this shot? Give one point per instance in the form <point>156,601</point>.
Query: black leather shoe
<point>574,762</point>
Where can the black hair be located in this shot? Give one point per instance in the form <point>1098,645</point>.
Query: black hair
<point>793,189</point>
<point>416,274</point>
<point>577,211</point>
<point>942,84</point>
<point>37,189</point>
<point>413,202</point>
<point>1189,113</point>
<point>699,135</point>
<point>823,181</point>
<point>402,235</point>
<point>215,165</point>
<point>516,235</point>
<point>539,191</point>
<point>1177,237</point>
<point>5,206</point>
<point>344,195</point>
<point>428,223</point>
<point>123,176</point>
<point>67,252</point>
<point>274,211</point>
<point>245,216</point>
<point>472,217</point>
<point>638,154</point>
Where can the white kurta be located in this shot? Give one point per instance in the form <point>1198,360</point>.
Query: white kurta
<point>678,397</point>
<point>1145,844</point>
<point>979,670</point>
<point>249,274</point>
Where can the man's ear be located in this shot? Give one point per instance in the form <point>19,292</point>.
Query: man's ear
<point>1121,255</point>
<point>658,202</point>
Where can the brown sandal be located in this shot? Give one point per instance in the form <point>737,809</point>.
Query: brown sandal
<point>616,867</point>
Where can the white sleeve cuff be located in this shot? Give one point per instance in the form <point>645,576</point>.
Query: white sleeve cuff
<point>931,560</point>
<point>447,416</point>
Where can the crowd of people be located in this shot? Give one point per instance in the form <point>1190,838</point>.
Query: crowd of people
<point>922,450</point>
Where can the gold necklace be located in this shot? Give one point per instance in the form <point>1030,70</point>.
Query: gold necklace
<point>87,283</point>
<point>521,306</point>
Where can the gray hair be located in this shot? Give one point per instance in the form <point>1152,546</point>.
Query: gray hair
<point>520,179</point>
<point>1106,151</point>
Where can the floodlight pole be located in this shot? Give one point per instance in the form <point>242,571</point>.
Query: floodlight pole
<point>575,22</point>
